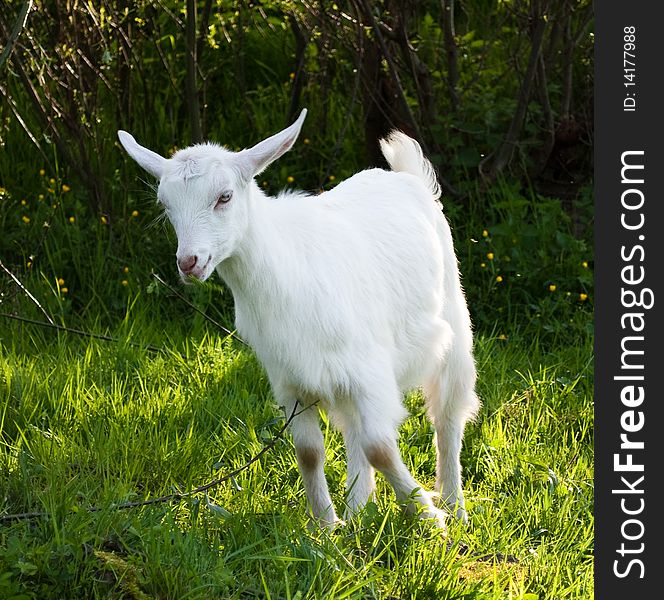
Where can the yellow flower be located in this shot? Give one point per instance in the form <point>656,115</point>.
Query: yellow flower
<point>485,233</point>
<point>305,141</point>
<point>65,188</point>
<point>489,255</point>
<point>50,190</point>
<point>125,270</point>
<point>125,282</point>
<point>483,265</point>
<point>61,281</point>
<point>23,203</point>
<point>41,197</point>
<point>42,172</point>
<point>104,220</point>
<point>331,177</point>
<point>291,75</point>
<point>51,181</point>
<point>583,297</point>
<point>29,264</point>
<point>499,278</point>
<point>26,219</point>
<point>290,179</point>
<point>552,287</point>
<point>72,219</point>
<point>502,336</point>
<point>134,213</point>
<point>584,264</point>
<point>64,290</point>
<point>3,191</point>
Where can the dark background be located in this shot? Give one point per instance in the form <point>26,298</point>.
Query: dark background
<point>500,95</point>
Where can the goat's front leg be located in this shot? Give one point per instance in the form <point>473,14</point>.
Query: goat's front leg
<point>310,452</point>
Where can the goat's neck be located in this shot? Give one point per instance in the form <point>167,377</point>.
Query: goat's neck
<point>252,272</point>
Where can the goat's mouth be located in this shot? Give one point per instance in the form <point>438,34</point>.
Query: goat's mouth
<point>198,273</point>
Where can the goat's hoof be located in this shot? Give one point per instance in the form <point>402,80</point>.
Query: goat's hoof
<point>316,524</point>
<point>462,515</point>
<point>437,516</point>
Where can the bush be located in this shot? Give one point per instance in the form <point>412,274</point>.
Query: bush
<point>525,265</point>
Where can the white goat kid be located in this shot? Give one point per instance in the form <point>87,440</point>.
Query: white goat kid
<point>349,299</point>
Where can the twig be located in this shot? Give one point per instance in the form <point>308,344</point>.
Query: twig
<point>107,338</point>
<point>18,27</point>
<point>351,105</point>
<point>451,52</point>
<point>96,336</point>
<point>408,114</point>
<point>401,94</point>
<point>199,311</point>
<point>191,63</point>
<point>26,292</point>
<point>178,495</point>
<point>301,43</point>
<point>502,155</point>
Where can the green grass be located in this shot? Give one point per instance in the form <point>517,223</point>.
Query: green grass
<point>90,423</point>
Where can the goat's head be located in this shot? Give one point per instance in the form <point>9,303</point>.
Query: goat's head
<point>205,191</point>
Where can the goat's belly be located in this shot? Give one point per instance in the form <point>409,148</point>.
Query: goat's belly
<point>331,356</point>
<point>420,355</point>
<point>306,365</point>
<point>321,375</point>
<point>328,377</point>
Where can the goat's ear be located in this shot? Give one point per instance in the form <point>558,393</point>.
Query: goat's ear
<point>253,160</point>
<point>152,162</point>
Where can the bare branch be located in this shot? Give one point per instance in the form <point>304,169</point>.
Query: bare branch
<point>451,52</point>
<point>25,290</point>
<point>16,31</point>
<point>199,311</point>
<point>544,152</point>
<point>401,95</point>
<point>301,42</point>
<point>79,332</point>
<point>499,159</point>
<point>179,496</point>
<point>191,62</point>
<point>387,55</point>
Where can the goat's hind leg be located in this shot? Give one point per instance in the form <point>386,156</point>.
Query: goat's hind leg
<point>380,414</point>
<point>360,480</point>
<point>452,402</point>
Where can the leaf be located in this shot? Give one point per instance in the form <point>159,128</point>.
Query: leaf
<point>217,510</point>
<point>26,568</point>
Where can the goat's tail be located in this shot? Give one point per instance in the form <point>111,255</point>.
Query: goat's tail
<point>404,154</point>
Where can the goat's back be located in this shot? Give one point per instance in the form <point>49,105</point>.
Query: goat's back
<point>359,273</point>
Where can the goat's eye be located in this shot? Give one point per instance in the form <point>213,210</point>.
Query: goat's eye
<point>223,198</point>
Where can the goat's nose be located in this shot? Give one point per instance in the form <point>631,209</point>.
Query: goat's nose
<point>187,263</point>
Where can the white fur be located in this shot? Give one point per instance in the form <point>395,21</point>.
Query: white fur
<point>349,298</point>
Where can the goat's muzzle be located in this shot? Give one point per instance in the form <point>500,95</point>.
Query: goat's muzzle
<point>187,263</point>
<point>192,265</point>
